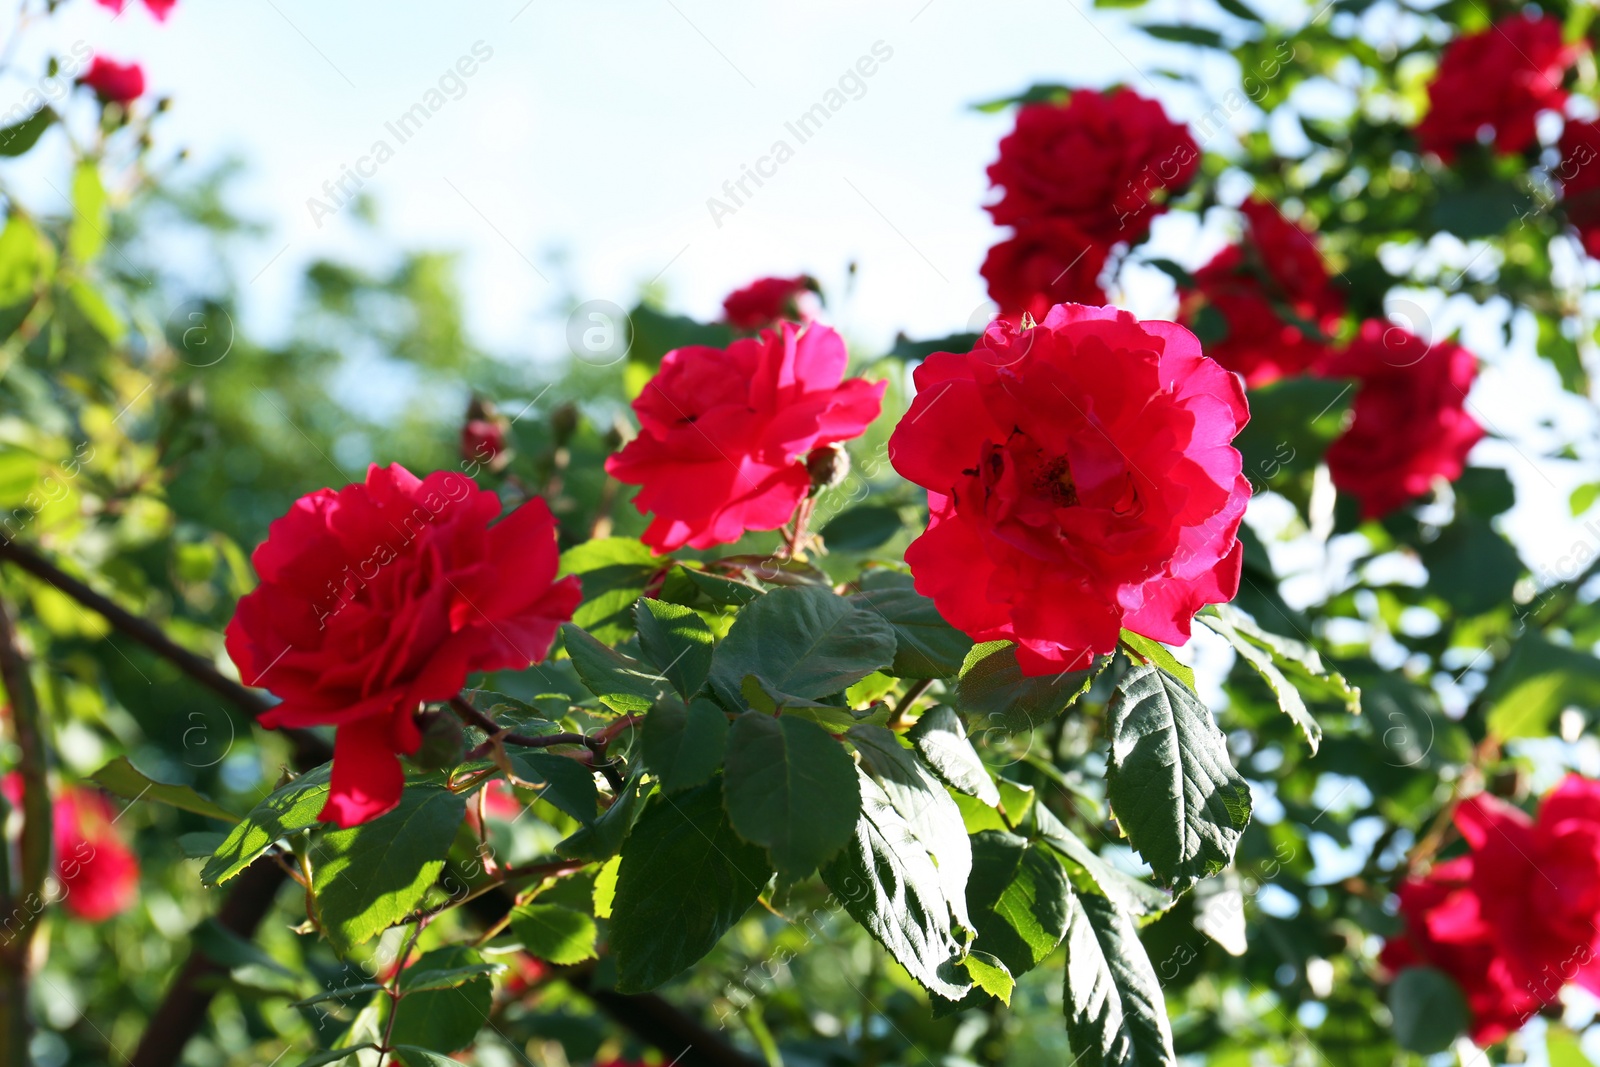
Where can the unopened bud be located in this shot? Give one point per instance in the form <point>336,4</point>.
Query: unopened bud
<point>828,467</point>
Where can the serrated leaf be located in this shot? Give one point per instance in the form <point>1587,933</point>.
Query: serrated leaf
<point>1116,1015</point>
<point>1018,896</point>
<point>1170,783</point>
<point>1155,652</point>
<point>289,809</point>
<point>677,642</point>
<point>990,974</point>
<point>444,1019</point>
<point>802,640</point>
<point>684,879</point>
<point>123,779</point>
<point>925,645</point>
<point>1127,892</point>
<point>554,933</point>
<point>724,591</point>
<point>369,877</point>
<point>941,740</point>
<point>613,572</point>
<point>1286,664</point>
<point>684,745</point>
<point>621,682</point>
<point>922,802</point>
<point>790,787</point>
<point>893,890</point>
<point>341,993</point>
<point>564,782</point>
<point>1004,701</point>
<point>603,838</point>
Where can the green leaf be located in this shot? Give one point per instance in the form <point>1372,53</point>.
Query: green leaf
<point>91,214</point>
<point>922,802</point>
<point>1018,897</point>
<point>415,1056</point>
<point>925,645</point>
<point>1583,498</point>
<point>369,877</point>
<point>1471,567</point>
<point>621,682</point>
<point>915,351</point>
<point>602,839</point>
<point>564,782</point>
<point>1179,33</point>
<point>93,310</point>
<point>1483,209</point>
<point>201,844</point>
<point>1155,652</point>
<point>21,136</point>
<point>420,979</point>
<point>720,590</point>
<point>121,778</point>
<point>677,642</point>
<point>553,933</point>
<point>1298,661</point>
<point>27,262</point>
<point>685,878</point>
<point>289,809</point>
<point>802,640</point>
<point>993,688</point>
<point>1261,657</point>
<point>340,993</point>
<point>1169,781</point>
<point>941,741</point>
<point>683,746</point>
<point>790,787</point>
<point>862,529</point>
<point>614,572</point>
<point>444,1019</point>
<point>1238,9</point>
<point>1538,681</point>
<point>1429,1010</point>
<point>896,894</point>
<point>989,974</point>
<point>1116,1015</point>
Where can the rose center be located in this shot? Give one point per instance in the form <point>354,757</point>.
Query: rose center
<point>1054,480</point>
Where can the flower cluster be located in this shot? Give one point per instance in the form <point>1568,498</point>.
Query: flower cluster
<point>1079,177</point>
<point>386,594</point>
<point>1518,916</point>
<point>766,302</point>
<point>121,83</point>
<point>1273,295</point>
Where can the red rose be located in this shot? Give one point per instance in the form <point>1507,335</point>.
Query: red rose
<point>1514,920</point>
<point>1267,289</point>
<point>768,301</point>
<point>98,873</point>
<point>523,972</point>
<point>1501,77</point>
<point>1100,159</point>
<point>114,82</point>
<point>724,433</point>
<point>1048,262</point>
<point>1579,175</point>
<point>1410,425</point>
<point>482,440</point>
<point>1080,480</point>
<point>386,594</point>
<point>1446,929</point>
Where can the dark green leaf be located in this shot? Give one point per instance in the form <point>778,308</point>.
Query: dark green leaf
<point>913,351</point>
<point>683,746</point>
<point>1116,1015</point>
<point>444,1019</point>
<point>1429,1010</point>
<point>19,137</point>
<point>942,742</point>
<point>925,645</point>
<point>1018,898</point>
<point>334,1055</point>
<point>1183,34</point>
<point>1168,778</point>
<point>123,779</point>
<point>420,979</point>
<point>685,878</point>
<point>1002,700</point>
<point>862,528</point>
<point>565,783</point>
<point>802,640</point>
<point>290,809</point>
<point>602,839</point>
<point>621,682</point>
<point>614,572</point>
<point>895,893</point>
<point>677,642</point>
<point>369,877</point>
<point>553,933</point>
<point>1239,9</point>
<point>790,787</point>
<point>1093,874</point>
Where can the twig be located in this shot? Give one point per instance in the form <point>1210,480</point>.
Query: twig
<point>898,720</point>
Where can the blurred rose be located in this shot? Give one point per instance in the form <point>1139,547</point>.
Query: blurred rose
<point>98,872</point>
<point>114,82</point>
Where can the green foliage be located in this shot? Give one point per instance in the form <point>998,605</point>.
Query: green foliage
<point>790,788</point>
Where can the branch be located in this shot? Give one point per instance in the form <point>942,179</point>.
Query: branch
<point>310,749</point>
<point>37,837</point>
